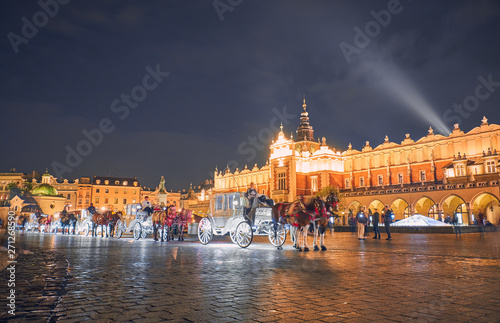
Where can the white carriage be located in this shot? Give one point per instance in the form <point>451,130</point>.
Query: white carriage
<point>227,216</point>
<point>140,226</point>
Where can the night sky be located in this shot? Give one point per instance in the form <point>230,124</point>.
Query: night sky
<point>230,69</point>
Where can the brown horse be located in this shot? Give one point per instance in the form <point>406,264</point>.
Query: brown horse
<point>99,220</point>
<point>181,220</point>
<point>44,222</point>
<point>282,214</point>
<point>163,220</point>
<point>112,220</point>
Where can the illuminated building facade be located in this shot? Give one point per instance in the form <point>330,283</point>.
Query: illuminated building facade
<point>435,175</point>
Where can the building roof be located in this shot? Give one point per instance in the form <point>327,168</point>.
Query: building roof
<point>115,181</point>
<point>45,190</point>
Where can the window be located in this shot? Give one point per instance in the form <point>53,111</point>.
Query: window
<point>361,181</point>
<point>490,167</point>
<point>400,178</point>
<point>98,182</point>
<point>314,184</point>
<point>97,200</point>
<point>433,212</point>
<point>380,180</point>
<point>116,201</point>
<point>106,191</point>
<point>87,201</point>
<point>125,192</point>
<point>263,192</point>
<point>135,183</point>
<point>116,191</point>
<point>461,170</point>
<point>347,183</point>
<point>422,175</point>
<point>117,182</point>
<point>282,181</point>
<point>80,201</point>
<point>133,192</point>
<point>97,190</point>
<point>106,200</point>
<point>125,183</point>
<point>106,182</point>
<point>68,196</point>
<point>124,201</point>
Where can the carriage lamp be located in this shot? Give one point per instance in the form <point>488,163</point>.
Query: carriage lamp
<point>103,208</point>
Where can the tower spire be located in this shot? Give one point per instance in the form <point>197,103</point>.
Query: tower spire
<point>305,130</point>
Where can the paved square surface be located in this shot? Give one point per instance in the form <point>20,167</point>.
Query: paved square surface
<point>414,277</point>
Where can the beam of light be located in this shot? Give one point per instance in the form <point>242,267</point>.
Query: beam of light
<point>398,86</point>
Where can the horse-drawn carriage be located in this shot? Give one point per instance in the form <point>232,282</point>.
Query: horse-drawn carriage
<point>140,226</point>
<point>231,213</point>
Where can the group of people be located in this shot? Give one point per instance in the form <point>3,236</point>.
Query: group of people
<point>363,220</point>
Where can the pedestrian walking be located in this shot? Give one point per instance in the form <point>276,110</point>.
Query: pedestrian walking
<point>361,219</point>
<point>456,225</point>
<point>387,221</point>
<point>375,221</point>
<point>351,222</point>
<point>480,222</point>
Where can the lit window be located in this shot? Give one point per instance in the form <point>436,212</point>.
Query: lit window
<point>135,183</point>
<point>361,181</point>
<point>124,201</point>
<point>106,182</point>
<point>422,175</point>
<point>125,192</point>
<point>106,200</point>
<point>98,182</point>
<point>282,181</point>
<point>107,191</point>
<point>116,201</point>
<point>460,170</point>
<point>491,167</point>
<point>116,191</point>
<point>380,180</point>
<point>97,200</point>
<point>125,183</point>
<point>347,183</point>
<point>314,184</point>
<point>400,178</point>
<point>87,201</point>
<point>117,182</point>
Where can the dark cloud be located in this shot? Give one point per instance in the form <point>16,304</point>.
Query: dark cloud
<point>226,77</point>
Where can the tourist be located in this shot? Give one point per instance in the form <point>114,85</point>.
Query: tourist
<point>387,221</point>
<point>146,206</point>
<point>480,222</point>
<point>375,221</point>
<point>456,225</point>
<point>361,219</point>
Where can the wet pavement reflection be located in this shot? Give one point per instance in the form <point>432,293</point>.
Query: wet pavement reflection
<point>413,277</point>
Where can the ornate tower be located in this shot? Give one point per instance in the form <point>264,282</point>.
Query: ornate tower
<point>305,130</point>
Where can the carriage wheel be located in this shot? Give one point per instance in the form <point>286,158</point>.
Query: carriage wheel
<point>165,233</point>
<point>137,231</point>
<point>277,237</point>
<point>118,229</point>
<point>87,229</point>
<point>232,234</point>
<point>205,231</point>
<point>244,234</point>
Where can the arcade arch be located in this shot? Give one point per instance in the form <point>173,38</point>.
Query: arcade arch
<point>376,205</point>
<point>455,204</point>
<point>400,208</point>
<point>423,205</point>
<point>489,205</point>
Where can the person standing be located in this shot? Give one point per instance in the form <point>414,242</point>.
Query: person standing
<point>480,222</point>
<point>456,225</point>
<point>387,221</point>
<point>375,221</point>
<point>361,219</point>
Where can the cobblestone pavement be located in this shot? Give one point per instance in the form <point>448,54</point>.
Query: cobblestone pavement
<point>414,277</point>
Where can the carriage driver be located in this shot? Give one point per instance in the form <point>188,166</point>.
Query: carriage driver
<point>146,206</point>
<point>91,209</point>
<point>251,195</point>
